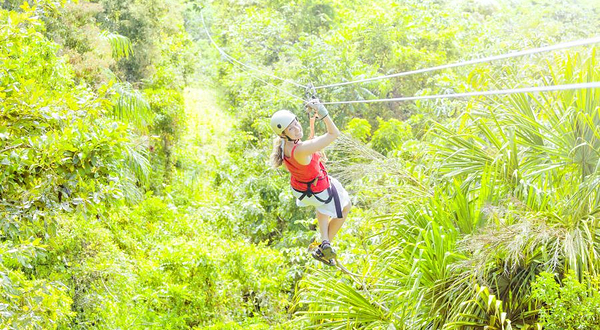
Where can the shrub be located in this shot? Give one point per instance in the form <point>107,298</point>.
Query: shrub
<point>359,129</point>
<point>570,304</point>
<point>390,135</point>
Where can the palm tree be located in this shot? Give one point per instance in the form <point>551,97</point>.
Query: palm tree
<point>512,189</point>
<point>544,150</point>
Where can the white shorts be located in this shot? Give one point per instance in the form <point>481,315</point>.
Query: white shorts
<point>329,208</point>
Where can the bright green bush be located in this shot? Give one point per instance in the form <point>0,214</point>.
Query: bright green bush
<point>58,150</point>
<point>359,129</point>
<point>82,42</point>
<point>69,170</point>
<point>59,153</point>
<point>568,304</point>
<point>390,135</point>
<point>261,205</point>
<point>188,283</point>
<point>25,302</point>
<point>100,276</point>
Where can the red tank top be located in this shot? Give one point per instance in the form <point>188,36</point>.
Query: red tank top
<point>313,173</point>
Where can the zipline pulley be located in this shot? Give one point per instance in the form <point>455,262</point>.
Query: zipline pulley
<point>310,93</point>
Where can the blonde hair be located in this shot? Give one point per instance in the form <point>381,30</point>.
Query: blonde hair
<point>277,154</point>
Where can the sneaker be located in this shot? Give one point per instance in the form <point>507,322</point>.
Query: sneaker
<point>317,254</point>
<point>327,251</point>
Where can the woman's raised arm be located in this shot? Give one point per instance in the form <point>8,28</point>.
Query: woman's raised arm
<point>307,148</point>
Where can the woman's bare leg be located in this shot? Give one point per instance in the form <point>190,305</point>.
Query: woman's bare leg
<point>336,223</point>
<point>323,225</point>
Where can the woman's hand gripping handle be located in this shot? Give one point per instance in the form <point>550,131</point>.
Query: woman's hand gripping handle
<point>318,108</point>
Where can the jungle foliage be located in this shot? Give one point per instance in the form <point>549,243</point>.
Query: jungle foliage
<point>129,201</point>
<point>460,203</point>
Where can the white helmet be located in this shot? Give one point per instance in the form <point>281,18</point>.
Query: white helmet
<point>281,120</point>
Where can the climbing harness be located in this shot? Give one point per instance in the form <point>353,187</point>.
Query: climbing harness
<point>332,193</point>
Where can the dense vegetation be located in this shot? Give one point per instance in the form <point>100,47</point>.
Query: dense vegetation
<point>135,190</point>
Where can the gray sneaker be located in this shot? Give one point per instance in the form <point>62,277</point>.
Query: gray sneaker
<point>327,251</point>
<point>317,254</point>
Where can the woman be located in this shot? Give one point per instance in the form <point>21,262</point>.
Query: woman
<point>309,180</point>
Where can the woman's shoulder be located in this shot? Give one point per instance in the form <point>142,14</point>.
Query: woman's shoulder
<point>288,151</point>
<point>299,156</point>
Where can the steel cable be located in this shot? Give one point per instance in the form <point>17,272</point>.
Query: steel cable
<point>241,63</point>
<point>595,84</point>
<point>575,43</point>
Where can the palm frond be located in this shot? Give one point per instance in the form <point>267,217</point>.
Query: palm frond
<point>121,45</point>
<point>138,160</point>
<point>334,303</point>
<point>131,106</point>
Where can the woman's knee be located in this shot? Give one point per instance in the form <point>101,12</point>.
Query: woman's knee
<point>322,216</point>
<point>347,207</point>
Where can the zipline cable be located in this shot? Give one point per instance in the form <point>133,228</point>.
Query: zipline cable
<point>234,61</point>
<point>595,84</point>
<point>241,63</point>
<point>581,42</point>
<point>575,43</point>
<point>268,83</point>
<point>272,85</point>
